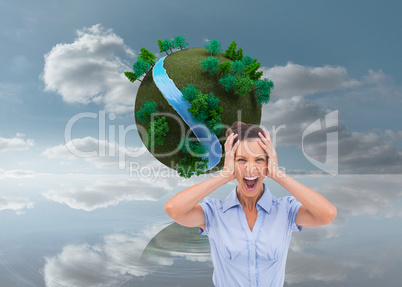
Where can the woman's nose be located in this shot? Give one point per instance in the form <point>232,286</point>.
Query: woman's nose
<point>250,166</point>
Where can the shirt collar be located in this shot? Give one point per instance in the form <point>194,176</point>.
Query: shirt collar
<point>264,202</point>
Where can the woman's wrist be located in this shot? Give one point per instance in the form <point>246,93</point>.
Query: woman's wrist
<point>279,176</point>
<point>226,175</point>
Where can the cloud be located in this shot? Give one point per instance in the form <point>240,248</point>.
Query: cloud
<point>335,263</point>
<point>304,267</point>
<point>364,194</point>
<point>358,152</point>
<point>104,193</point>
<point>17,173</point>
<point>111,263</point>
<point>139,162</point>
<point>295,80</point>
<point>100,153</point>
<point>123,259</point>
<point>88,70</point>
<point>16,143</point>
<point>353,195</point>
<point>394,135</point>
<point>17,204</point>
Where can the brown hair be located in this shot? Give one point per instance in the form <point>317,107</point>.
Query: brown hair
<point>244,131</point>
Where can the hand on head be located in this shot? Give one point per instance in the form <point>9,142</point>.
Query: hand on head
<point>272,165</point>
<point>230,150</point>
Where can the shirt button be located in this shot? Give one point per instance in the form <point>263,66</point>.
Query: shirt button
<point>252,262</point>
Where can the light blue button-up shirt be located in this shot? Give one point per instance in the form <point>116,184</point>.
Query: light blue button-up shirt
<point>242,257</point>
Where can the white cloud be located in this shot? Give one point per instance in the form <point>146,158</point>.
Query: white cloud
<point>88,70</point>
<point>296,80</point>
<point>100,153</point>
<point>374,77</point>
<point>394,135</point>
<point>17,143</point>
<point>110,263</point>
<point>104,193</point>
<point>119,258</point>
<point>17,204</point>
<point>17,173</point>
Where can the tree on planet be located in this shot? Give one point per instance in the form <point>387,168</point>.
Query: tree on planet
<point>193,162</point>
<point>247,61</point>
<point>263,90</point>
<point>157,131</point>
<point>243,85</point>
<point>204,108</point>
<point>167,44</point>
<point>224,68</point>
<point>239,54</point>
<point>251,71</point>
<point>140,67</point>
<point>213,47</point>
<point>237,68</point>
<point>147,56</point>
<point>210,65</point>
<point>131,76</point>
<point>231,51</point>
<point>157,128</point>
<point>179,42</point>
<point>228,82</point>
<point>144,113</point>
<point>189,92</point>
<point>161,50</point>
<point>145,61</point>
<point>199,108</point>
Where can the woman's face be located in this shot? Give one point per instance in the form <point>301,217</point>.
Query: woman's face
<point>251,162</point>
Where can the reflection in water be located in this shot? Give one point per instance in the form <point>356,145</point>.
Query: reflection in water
<point>177,241</point>
<point>121,258</point>
<point>136,244</point>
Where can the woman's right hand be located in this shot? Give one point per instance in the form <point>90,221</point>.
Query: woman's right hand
<point>229,167</point>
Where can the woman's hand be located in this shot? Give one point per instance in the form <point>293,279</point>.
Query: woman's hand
<point>228,168</point>
<point>265,142</point>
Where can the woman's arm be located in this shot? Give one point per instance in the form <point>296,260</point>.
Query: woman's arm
<point>184,208</point>
<point>315,210</point>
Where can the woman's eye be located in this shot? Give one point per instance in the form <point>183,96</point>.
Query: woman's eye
<point>241,159</point>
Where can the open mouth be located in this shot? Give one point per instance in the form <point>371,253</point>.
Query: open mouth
<point>250,183</point>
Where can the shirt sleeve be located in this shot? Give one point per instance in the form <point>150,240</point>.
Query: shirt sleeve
<point>208,207</point>
<point>292,208</point>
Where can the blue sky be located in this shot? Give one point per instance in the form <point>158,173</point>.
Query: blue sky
<point>61,59</point>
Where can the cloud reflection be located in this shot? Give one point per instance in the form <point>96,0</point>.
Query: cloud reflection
<point>120,257</point>
<point>104,193</point>
<point>17,204</point>
<point>357,195</point>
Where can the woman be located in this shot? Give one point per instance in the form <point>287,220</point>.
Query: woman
<point>249,232</point>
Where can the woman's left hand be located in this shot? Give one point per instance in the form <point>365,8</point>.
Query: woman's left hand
<point>265,142</point>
